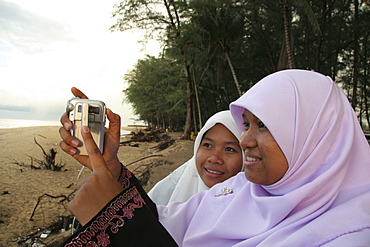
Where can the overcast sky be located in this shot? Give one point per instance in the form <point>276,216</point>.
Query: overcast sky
<point>48,46</point>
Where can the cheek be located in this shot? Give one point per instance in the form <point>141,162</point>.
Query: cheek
<point>257,175</point>
<point>200,158</point>
<point>277,163</point>
<point>235,164</point>
<point>282,166</point>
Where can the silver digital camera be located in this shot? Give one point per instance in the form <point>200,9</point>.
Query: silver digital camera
<point>91,113</point>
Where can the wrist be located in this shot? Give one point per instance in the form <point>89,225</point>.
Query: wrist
<point>115,167</point>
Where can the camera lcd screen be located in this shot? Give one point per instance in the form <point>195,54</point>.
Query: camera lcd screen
<point>92,109</point>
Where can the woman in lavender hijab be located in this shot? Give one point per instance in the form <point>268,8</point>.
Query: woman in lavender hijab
<point>306,179</point>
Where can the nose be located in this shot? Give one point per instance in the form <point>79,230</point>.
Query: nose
<point>216,157</point>
<point>247,139</point>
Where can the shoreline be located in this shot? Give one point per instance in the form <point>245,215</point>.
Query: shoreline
<point>126,128</point>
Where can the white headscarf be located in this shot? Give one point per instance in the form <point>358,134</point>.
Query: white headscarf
<point>184,182</point>
<point>324,195</point>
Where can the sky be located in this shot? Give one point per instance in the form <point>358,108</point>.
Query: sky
<point>48,46</point>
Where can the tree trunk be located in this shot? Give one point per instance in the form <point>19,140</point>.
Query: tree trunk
<point>188,111</point>
<point>319,38</point>
<point>198,104</point>
<point>194,119</point>
<point>233,72</point>
<point>187,128</point>
<point>366,83</point>
<point>282,64</point>
<point>355,57</point>
<point>287,34</point>
<point>175,25</point>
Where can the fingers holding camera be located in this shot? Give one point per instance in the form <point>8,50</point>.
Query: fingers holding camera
<point>68,143</point>
<point>114,123</point>
<point>111,143</point>
<point>64,120</point>
<point>92,150</point>
<point>95,191</point>
<point>112,134</point>
<point>78,93</point>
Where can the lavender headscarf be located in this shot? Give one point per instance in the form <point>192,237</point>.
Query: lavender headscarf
<point>325,194</point>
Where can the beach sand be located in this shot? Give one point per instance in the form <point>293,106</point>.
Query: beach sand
<point>21,186</point>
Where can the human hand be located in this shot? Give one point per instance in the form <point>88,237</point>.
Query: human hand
<point>96,190</point>
<point>69,144</point>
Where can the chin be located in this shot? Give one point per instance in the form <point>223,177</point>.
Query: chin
<point>252,179</point>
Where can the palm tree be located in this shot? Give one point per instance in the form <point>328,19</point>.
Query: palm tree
<point>287,55</point>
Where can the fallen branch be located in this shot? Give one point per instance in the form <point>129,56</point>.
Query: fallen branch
<point>150,156</point>
<point>165,144</point>
<point>35,239</point>
<point>40,146</point>
<point>64,198</point>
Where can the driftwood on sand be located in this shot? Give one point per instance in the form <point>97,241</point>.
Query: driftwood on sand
<point>48,163</point>
<point>158,136</point>
<point>64,198</point>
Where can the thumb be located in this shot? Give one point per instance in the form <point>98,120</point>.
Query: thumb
<point>96,159</point>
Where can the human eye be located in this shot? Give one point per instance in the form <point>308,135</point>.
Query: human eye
<point>207,145</point>
<point>230,149</point>
<point>246,125</point>
<point>261,125</point>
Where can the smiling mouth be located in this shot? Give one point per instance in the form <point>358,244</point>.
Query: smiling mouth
<point>214,172</point>
<point>251,159</point>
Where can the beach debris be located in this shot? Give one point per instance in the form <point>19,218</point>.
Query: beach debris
<point>49,159</point>
<point>149,136</point>
<point>35,238</point>
<point>146,157</point>
<point>164,144</point>
<point>142,173</point>
<point>64,198</point>
<point>48,163</point>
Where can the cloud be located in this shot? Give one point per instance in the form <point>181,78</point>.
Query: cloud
<point>28,31</point>
<point>46,47</point>
<point>15,108</point>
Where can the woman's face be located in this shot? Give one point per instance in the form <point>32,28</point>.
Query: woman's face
<point>219,155</point>
<point>265,163</point>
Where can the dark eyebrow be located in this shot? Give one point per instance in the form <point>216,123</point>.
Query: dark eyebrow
<point>207,138</point>
<point>228,143</point>
<point>233,143</point>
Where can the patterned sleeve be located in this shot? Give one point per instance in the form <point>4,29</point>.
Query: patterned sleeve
<point>130,219</point>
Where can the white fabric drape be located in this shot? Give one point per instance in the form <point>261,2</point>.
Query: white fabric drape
<point>185,182</point>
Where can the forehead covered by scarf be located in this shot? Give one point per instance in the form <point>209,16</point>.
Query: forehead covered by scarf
<point>310,118</point>
<point>222,117</point>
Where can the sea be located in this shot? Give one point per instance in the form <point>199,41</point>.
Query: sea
<point>6,123</point>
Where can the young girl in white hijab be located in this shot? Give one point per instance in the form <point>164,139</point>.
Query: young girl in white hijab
<point>185,181</point>
<point>306,179</point>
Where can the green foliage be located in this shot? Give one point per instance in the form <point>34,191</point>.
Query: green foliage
<point>156,92</point>
<point>212,44</point>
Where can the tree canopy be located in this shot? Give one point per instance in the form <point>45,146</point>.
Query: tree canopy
<point>214,50</point>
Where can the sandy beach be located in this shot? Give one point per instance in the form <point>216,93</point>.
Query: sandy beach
<point>22,187</point>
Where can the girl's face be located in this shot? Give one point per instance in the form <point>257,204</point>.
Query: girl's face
<point>219,155</point>
<point>265,163</point>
